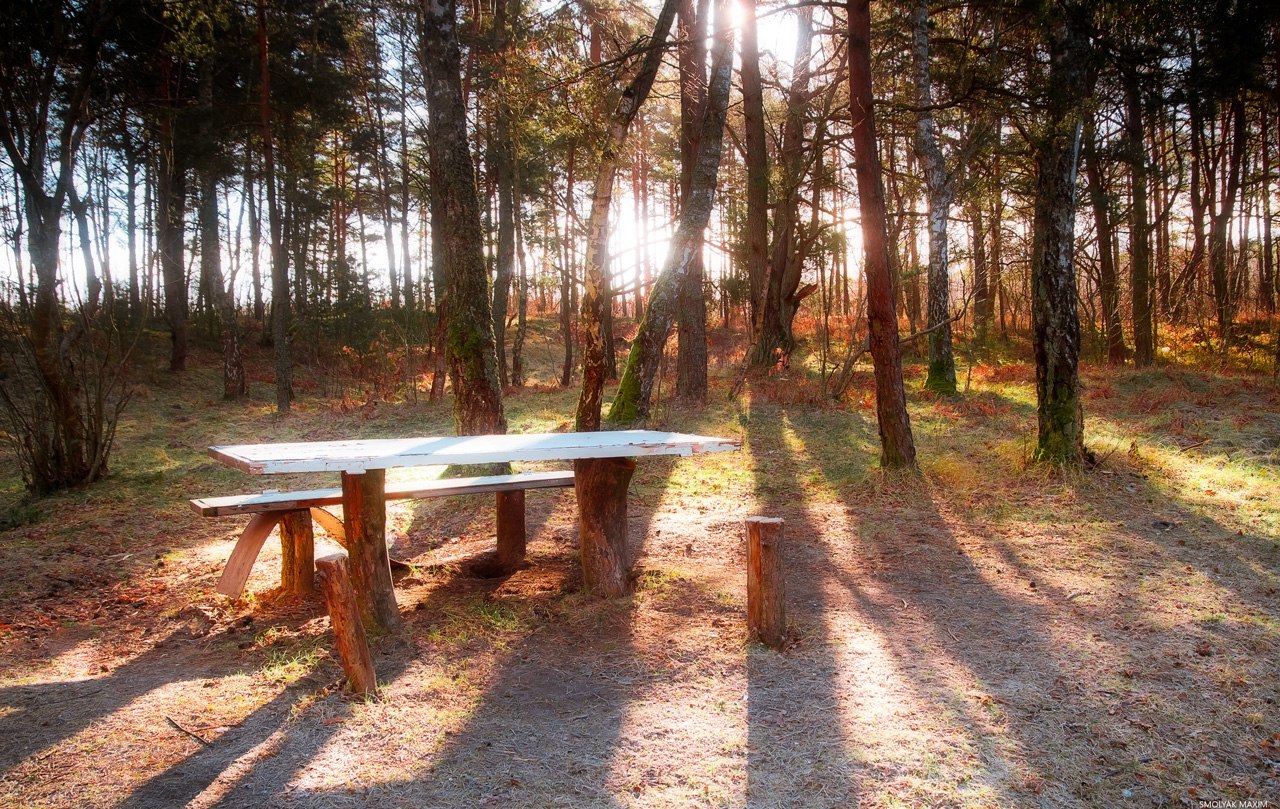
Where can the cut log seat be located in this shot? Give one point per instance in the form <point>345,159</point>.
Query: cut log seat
<point>272,507</point>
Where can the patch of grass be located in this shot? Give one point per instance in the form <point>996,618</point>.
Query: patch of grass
<point>287,665</point>
<point>477,618</point>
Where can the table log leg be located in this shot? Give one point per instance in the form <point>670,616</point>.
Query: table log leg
<point>601,487</point>
<point>348,631</point>
<point>297,553</point>
<point>364,519</point>
<point>511,531</point>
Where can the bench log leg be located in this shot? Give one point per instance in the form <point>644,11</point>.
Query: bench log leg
<point>297,553</point>
<point>601,487</point>
<point>511,531</point>
<point>364,519</point>
<point>348,632</point>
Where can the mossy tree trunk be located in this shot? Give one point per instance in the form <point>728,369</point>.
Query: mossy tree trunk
<point>473,366</point>
<point>595,298</point>
<point>1055,316</point>
<point>635,389</point>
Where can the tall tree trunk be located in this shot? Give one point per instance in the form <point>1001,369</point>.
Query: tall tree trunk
<point>566,271</point>
<point>473,371</point>
<point>938,192</point>
<point>691,332</point>
<point>1220,222</point>
<point>1139,238</point>
<point>757,160</point>
<point>776,340</point>
<point>594,298</point>
<point>279,250</point>
<point>635,389</point>
<point>406,287</point>
<point>255,240</point>
<point>131,223</point>
<point>1266,269</point>
<point>502,149</point>
<point>171,203</point>
<point>233,381</point>
<point>981,276</point>
<point>897,446</point>
<point>1108,287</point>
<point>1055,318</point>
<point>522,298</point>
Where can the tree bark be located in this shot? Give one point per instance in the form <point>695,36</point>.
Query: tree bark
<point>1055,318</point>
<point>938,192</point>
<point>1108,287</point>
<point>233,380</point>
<point>595,296</point>
<point>504,171</point>
<point>472,359</point>
<point>691,331</point>
<point>1139,240</point>
<point>280,314</point>
<point>757,160</point>
<point>171,192</point>
<point>635,389</point>
<point>897,446</point>
<point>1220,224</point>
<point>981,277</point>
<point>775,340</point>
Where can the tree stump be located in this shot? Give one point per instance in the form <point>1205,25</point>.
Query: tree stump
<point>601,488</point>
<point>766,594</point>
<point>297,553</point>
<point>512,539</point>
<point>333,575</point>
<point>364,519</point>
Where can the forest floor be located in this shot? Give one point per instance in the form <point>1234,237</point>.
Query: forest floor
<point>989,633</point>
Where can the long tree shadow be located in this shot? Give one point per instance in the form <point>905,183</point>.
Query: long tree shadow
<point>1038,685</point>
<point>550,714</point>
<point>797,751</point>
<point>41,715</point>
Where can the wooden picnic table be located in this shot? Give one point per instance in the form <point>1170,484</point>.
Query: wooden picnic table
<point>603,465</point>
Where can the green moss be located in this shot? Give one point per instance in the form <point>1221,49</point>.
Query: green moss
<point>942,376</point>
<point>626,402</point>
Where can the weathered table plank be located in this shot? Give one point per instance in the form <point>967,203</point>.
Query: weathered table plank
<point>390,453</point>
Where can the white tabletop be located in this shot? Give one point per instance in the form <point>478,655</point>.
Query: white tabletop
<point>390,453</point>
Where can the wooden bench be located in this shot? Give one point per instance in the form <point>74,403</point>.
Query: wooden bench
<point>295,512</point>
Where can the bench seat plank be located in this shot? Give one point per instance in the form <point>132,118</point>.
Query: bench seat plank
<point>292,501</point>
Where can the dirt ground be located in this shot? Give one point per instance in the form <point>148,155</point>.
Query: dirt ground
<point>987,634</point>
